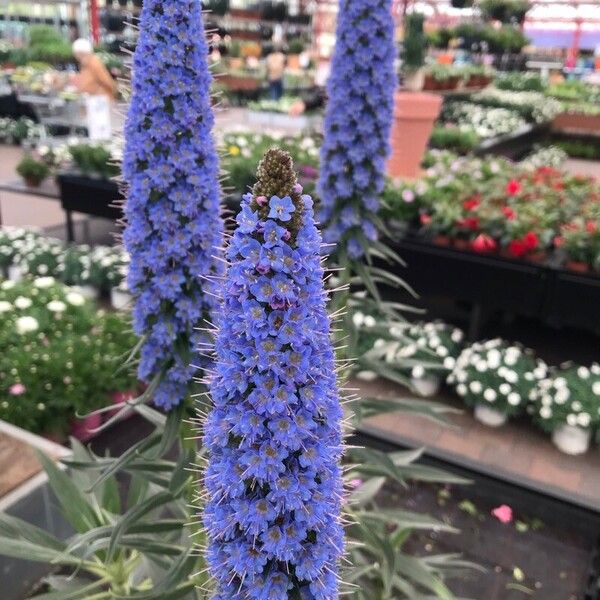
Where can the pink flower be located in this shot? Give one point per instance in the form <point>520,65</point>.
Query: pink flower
<point>356,483</point>
<point>503,513</point>
<point>408,196</point>
<point>16,389</point>
<point>261,200</point>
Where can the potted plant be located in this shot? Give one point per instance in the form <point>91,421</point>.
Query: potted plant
<point>496,379</point>
<point>32,171</point>
<point>579,242</point>
<point>567,405</point>
<point>414,111</point>
<point>295,49</point>
<point>236,62</point>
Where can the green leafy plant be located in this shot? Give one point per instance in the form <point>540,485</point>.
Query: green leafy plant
<point>498,375</point>
<point>413,57</point>
<point>94,160</point>
<point>32,171</point>
<point>507,11</point>
<point>453,138</point>
<point>568,396</point>
<point>296,46</point>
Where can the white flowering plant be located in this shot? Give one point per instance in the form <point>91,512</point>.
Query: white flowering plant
<point>12,240</point>
<point>101,266</point>
<point>568,396</point>
<point>497,374</point>
<point>59,356</point>
<point>414,350</point>
<point>38,256</point>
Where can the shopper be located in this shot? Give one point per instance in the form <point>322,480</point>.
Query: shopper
<point>93,77</point>
<point>275,69</point>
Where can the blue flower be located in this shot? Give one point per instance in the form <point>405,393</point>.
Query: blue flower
<point>357,124</point>
<point>171,169</point>
<point>274,437</point>
<point>281,208</point>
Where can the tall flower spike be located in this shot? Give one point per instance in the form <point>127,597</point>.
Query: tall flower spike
<point>357,125</point>
<point>274,435</point>
<point>171,170</point>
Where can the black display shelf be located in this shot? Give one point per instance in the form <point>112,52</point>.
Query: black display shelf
<point>94,197</point>
<point>489,282</point>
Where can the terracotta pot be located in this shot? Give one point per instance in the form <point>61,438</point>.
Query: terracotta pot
<point>82,429</point>
<point>442,240</point>
<point>579,267</point>
<point>536,257</point>
<point>293,62</point>
<point>460,244</point>
<point>414,115</point>
<point>32,182</point>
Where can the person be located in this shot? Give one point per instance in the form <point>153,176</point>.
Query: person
<point>275,68</point>
<point>93,77</point>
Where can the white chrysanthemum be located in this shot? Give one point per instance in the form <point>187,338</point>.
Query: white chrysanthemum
<point>595,368</point>
<point>456,336</point>
<point>596,388</point>
<point>481,366</point>
<point>490,395</point>
<point>418,371</point>
<point>26,324</point>
<point>545,412</point>
<point>23,303</point>
<point>441,351</point>
<point>560,382</point>
<point>511,376</point>
<point>511,359</point>
<point>572,420</point>
<point>547,400</point>
<point>493,359</point>
<point>562,395</point>
<point>379,343</point>
<point>504,388</point>
<point>358,319</point>
<point>540,371</point>
<point>461,389</point>
<point>407,351</point>
<point>5,306</point>
<point>476,387</point>
<point>370,321</point>
<point>514,399</point>
<point>44,282</point>
<point>8,284</point>
<point>461,375</point>
<point>449,362</point>
<point>75,299</point>
<point>584,419</point>
<point>576,406</point>
<point>583,372</point>
<point>56,306</point>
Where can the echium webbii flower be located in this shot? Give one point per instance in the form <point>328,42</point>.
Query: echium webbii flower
<point>357,125</point>
<point>273,480</point>
<point>171,170</point>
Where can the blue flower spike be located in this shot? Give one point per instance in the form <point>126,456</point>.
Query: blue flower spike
<point>171,171</point>
<point>274,436</point>
<point>357,125</point>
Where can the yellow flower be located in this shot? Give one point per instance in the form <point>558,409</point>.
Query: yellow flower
<point>234,150</point>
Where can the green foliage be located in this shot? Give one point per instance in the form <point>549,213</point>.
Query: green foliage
<point>295,46</point>
<point>32,170</point>
<point>453,138</point>
<point>59,355</point>
<point>413,56</point>
<point>507,11</point>
<point>94,160</point>
<point>47,45</point>
<point>520,82</point>
<point>578,148</point>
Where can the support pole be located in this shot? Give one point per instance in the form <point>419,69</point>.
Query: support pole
<point>94,21</point>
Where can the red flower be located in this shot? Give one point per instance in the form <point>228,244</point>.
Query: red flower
<point>591,226</point>
<point>559,240</point>
<point>471,223</point>
<point>508,212</point>
<point>531,240</point>
<point>425,219</point>
<point>513,187</point>
<point>517,248</point>
<point>472,203</point>
<point>484,243</point>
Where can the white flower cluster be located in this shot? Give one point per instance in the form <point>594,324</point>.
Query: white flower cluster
<point>485,121</point>
<point>417,349</point>
<point>549,156</point>
<point>570,396</point>
<point>496,373</point>
<point>540,108</point>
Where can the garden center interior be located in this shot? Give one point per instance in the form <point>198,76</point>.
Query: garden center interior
<point>236,233</point>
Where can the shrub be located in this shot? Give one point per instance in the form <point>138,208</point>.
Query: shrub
<point>32,171</point>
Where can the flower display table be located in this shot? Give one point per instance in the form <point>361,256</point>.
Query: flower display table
<point>94,197</point>
<point>491,282</point>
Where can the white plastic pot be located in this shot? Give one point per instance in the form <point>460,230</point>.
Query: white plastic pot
<point>89,292</point>
<point>426,386</point>
<point>120,299</point>
<point>489,416</point>
<point>366,375</point>
<point>571,439</point>
<point>15,272</point>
